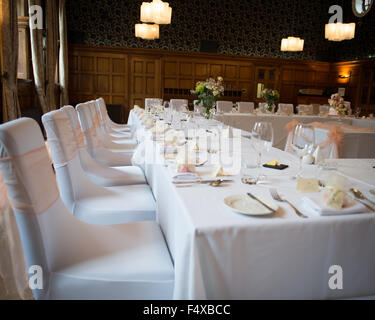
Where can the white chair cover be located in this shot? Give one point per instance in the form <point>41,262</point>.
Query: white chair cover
<point>177,104</point>
<point>324,109</point>
<point>224,106</point>
<point>95,146</point>
<point>306,109</point>
<point>79,261</point>
<point>152,102</point>
<point>126,132</point>
<point>87,201</point>
<point>89,117</point>
<point>100,124</point>
<point>245,107</point>
<point>285,109</point>
<point>114,126</point>
<point>96,172</point>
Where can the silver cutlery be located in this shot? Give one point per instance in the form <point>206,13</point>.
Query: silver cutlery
<point>202,181</point>
<point>360,197</point>
<point>277,198</point>
<point>261,202</point>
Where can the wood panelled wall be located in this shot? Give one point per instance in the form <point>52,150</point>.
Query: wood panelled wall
<point>128,76</point>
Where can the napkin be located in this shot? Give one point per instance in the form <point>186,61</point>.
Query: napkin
<point>316,204</point>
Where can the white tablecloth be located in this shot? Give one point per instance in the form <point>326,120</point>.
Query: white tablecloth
<point>246,122</point>
<point>219,254</point>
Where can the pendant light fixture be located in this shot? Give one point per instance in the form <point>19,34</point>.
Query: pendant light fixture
<point>157,11</point>
<point>335,30</point>
<point>147,31</point>
<point>292,44</point>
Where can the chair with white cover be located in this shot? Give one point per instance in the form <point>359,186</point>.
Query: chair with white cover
<point>152,102</point>
<point>245,107</point>
<point>305,109</point>
<point>97,150</point>
<point>324,109</point>
<point>110,124</point>
<point>224,106</point>
<point>285,109</point>
<point>178,104</point>
<point>88,115</point>
<point>86,200</point>
<point>78,260</point>
<point>99,174</point>
<point>115,136</point>
<point>125,131</point>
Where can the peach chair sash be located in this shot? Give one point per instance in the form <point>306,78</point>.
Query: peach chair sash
<point>334,139</point>
<point>80,137</point>
<point>95,142</point>
<point>62,141</point>
<point>13,271</point>
<point>26,198</point>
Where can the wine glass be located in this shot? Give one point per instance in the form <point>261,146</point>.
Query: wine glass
<point>358,112</point>
<point>262,140</point>
<point>303,141</point>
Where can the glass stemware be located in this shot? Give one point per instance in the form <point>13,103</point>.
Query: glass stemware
<point>262,140</point>
<point>303,142</point>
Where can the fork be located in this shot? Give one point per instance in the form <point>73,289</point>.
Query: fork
<point>277,198</point>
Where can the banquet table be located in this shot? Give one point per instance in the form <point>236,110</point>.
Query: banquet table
<point>350,150</point>
<point>220,254</point>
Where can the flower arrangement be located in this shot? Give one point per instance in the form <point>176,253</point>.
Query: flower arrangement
<point>208,92</point>
<point>271,97</point>
<point>337,103</point>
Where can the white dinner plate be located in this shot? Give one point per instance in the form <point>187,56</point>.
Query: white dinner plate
<point>242,203</point>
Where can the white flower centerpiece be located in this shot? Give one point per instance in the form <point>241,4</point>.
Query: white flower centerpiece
<point>208,92</point>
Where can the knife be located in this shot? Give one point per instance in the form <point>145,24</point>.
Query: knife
<point>261,202</point>
<point>200,181</point>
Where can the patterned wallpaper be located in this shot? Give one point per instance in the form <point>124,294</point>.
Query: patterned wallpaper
<point>242,27</point>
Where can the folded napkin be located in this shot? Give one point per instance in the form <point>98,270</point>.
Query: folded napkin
<point>316,204</point>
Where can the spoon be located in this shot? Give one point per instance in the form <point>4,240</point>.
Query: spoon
<point>359,195</point>
<point>216,183</point>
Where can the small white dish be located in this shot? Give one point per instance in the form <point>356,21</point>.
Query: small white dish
<point>245,205</point>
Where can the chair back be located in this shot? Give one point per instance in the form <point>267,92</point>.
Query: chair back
<point>245,107</point>
<point>178,104</point>
<point>33,194</point>
<point>72,180</point>
<point>305,109</point>
<point>152,102</point>
<point>88,127</point>
<point>285,109</point>
<point>224,106</point>
<point>324,109</point>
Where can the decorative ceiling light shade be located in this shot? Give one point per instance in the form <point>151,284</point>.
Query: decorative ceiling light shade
<point>340,31</point>
<point>292,44</point>
<point>157,11</point>
<point>147,31</point>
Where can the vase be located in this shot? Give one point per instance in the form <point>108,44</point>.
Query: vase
<point>270,108</point>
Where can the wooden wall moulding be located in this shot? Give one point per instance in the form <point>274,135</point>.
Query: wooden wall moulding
<point>127,76</point>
